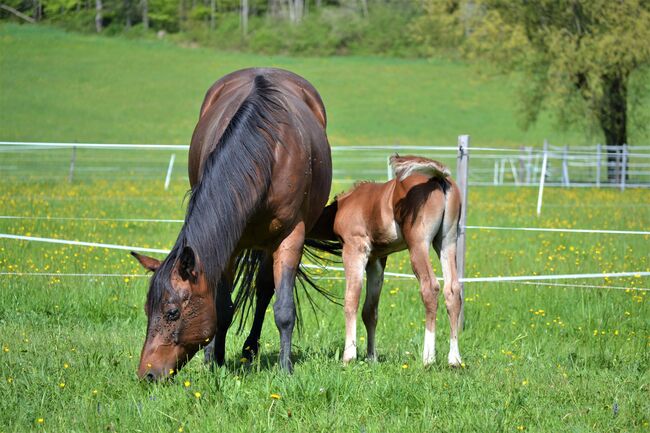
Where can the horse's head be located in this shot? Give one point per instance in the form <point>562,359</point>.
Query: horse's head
<point>180,311</point>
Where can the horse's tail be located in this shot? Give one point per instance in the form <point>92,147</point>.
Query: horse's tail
<point>247,266</point>
<point>404,166</point>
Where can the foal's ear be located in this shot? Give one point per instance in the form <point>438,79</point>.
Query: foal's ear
<point>148,263</point>
<point>187,265</point>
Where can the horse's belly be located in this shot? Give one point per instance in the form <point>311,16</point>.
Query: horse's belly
<point>388,240</point>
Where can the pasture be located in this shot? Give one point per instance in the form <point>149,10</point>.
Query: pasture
<point>537,357</point>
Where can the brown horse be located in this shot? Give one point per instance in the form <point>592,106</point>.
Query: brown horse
<point>260,171</point>
<point>420,207</point>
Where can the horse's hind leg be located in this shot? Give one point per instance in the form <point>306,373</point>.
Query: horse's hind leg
<point>375,281</point>
<point>452,295</point>
<point>429,290</point>
<point>355,258</point>
<point>264,288</point>
<point>286,259</point>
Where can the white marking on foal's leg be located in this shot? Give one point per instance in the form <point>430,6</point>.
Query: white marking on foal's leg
<point>429,352</point>
<point>354,262</point>
<point>454,354</point>
<point>350,352</point>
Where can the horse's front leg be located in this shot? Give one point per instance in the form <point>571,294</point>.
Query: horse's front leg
<point>264,287</point>
<point>216,350</point>
<point>355,258</point>
<point>286,259</point>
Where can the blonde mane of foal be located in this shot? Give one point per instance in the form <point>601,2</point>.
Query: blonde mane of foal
<point>404,166</point>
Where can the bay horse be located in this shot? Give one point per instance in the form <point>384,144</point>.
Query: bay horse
<point>420,207</point>
<point>260,172</point>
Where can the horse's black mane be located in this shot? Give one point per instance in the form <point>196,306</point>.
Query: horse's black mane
<point>235,178</point>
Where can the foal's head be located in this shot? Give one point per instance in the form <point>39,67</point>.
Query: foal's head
<point>181,313</point>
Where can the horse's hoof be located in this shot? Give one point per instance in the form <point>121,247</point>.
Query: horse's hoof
<point>455,362</point>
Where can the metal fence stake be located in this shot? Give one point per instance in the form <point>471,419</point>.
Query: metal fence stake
<point>461,178</point>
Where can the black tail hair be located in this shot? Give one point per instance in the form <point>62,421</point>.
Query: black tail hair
<point>249,262</point>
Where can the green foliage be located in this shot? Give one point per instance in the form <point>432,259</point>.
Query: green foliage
<point>577,56</point>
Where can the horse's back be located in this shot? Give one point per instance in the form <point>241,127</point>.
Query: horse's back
<point>226,95</point>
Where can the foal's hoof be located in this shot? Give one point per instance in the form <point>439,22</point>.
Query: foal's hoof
<point>455,362</point>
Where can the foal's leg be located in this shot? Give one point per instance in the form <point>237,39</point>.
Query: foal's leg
<point>286,259</point>
<point>374,283</point>
<point>264,287</point>
<point>355,258</point>
<point>429,290</point>
<point>452,296</point>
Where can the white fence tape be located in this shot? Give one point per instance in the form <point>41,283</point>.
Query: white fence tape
<point>152,220</point>
<point>529,283</point>
<point>339,269</point>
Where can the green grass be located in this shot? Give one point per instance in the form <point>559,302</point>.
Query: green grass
<point>68,87</point>
<point>537,358</point>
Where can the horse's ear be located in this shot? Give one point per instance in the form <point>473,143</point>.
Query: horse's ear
<point>148,263</point>
<point>187,265</point>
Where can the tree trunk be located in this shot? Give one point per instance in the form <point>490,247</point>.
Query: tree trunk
<point>213,11</point>
<point>364,8</point>
<point>99,20</point>
<point>613,121</point>
<point>127,13</point>
<point>244,16</point>
<point>145,14</point>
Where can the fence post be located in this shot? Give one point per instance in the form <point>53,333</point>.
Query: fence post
<point>565,166</point>
<point>169,170</point>
<point>496,172</point>
<point>542,177</point>
<point>73,159</point>
<point>389,171</point>
<point>598,158</point>
<point>624,167</point>
<point>462,179</point>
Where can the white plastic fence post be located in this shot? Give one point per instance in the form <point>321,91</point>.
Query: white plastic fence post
<point>169,170</point>
<point>73,159</point>
<point>542,177</point>
<point>496,173</point>
<point>462,179</point>
<point>598,158</point>
<point>389,171</point>
<point>565,166</point>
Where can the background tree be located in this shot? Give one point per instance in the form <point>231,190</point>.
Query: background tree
<point>577,56</point>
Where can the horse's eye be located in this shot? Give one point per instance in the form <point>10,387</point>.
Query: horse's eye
<point>172,314</point>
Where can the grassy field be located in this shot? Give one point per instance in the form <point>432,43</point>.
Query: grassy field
<point>59,86</point>
<point>538,358</point>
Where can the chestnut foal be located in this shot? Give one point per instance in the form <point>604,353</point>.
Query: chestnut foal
<point>420,207</point>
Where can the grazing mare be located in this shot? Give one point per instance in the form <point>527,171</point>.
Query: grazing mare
<point>260,170</point>
<point>420,207</point>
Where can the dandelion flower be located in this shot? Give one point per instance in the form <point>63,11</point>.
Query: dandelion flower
<point>187,383</point>
<point>197,394</point>
<point>276,396</point>
<point>405,366</point>
<point>62,385</point>
<point>40,420</point>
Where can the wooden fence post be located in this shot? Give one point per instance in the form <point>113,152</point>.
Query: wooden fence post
<point>462,180</point>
